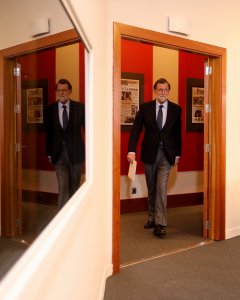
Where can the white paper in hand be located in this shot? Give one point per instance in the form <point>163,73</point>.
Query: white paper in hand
<point>132,170</point>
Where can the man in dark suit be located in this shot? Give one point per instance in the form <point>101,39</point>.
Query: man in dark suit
<point>64,122</point>
<point>160,150</point>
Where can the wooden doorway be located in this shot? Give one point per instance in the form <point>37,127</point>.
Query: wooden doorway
<point>11,222</point>
<point>214,162</point>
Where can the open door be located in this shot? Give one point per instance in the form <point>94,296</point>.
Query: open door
<point>214,152</point>
<point>11,154</point>
<point>206,149</point>
<point>19,146</point>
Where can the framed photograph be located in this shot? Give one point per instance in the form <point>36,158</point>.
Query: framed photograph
<point>132,93</point>
<point>34,102</point>
<point>195,105</point>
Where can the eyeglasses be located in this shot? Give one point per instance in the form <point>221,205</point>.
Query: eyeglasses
<point>163,90</point>
<point>62,91</point>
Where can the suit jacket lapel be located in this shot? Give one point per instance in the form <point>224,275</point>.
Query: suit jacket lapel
<point>71,113</point>
<point>152,111</point>
<point>169,114</point>
<point>56,114</point>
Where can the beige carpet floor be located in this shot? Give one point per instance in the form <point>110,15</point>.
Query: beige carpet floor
<point>209,272</point>
<point>184,230</point>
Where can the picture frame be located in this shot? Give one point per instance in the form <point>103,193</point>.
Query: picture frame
<point>132,96</point>
<point>34,102</point>
<point>194,105</point>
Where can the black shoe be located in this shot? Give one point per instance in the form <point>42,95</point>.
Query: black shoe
<point>149,224</point>
<point>159,230</point>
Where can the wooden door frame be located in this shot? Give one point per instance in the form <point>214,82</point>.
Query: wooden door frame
<point>7,152</point>
<point>216,188</point>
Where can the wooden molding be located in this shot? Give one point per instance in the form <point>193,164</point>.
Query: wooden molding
<point>214,189</point>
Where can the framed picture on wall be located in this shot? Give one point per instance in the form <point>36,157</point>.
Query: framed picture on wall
<point>132,93</point>
<point>34,102</point>
<point>195,105</point>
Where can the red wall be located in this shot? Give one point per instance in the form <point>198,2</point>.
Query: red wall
<point>136,58</point>
<point>190,66</point>
<point>37,66</point>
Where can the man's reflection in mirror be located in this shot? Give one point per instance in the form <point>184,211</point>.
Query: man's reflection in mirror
<point>64,125</point>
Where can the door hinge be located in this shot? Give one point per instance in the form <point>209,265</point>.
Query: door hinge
<point>18,223</point>
<point>208,70</point>
<point>17,108</point>
<point>207,225</point>
<point>207,147</point>
<point>17,147</point>
<point>208,108</point>
<point>17,71</point>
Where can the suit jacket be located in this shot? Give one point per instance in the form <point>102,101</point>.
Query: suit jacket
<point>170,135</point>
<point>72,136</point>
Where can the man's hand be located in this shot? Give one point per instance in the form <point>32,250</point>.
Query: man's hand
<point>131,157</point>
<point>176,160</point>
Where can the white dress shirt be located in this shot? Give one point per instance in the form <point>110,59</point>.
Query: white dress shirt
<point>164,111</point>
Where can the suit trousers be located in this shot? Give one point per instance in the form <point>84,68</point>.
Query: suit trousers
<point>157,180</point>
<point>68,177</point>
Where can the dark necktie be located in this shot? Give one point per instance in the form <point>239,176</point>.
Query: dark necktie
<point>64,117</point>
<point>160,117</point>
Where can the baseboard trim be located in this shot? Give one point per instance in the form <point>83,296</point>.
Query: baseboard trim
<point>140,204</point>
<point>126,205</point>
<point>232,232</point>
<point>40,197</point>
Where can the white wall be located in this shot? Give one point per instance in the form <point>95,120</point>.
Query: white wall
<point>179,183</point>
<point>72,256</point>
<point>16,18</point>
<point>89,215</point>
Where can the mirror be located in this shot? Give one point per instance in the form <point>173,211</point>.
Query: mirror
<point>29,193</point>
<point>39,73</point>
